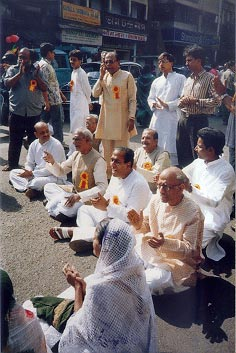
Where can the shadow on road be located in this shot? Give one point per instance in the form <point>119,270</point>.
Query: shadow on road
<point>208,304</point>
<point>9,203</point>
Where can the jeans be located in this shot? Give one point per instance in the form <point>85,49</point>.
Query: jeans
<point>56,118</point>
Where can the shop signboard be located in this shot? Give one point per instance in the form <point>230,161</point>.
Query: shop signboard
<point>80,37</point>
<point>124,35</point>
<point>80,14</point>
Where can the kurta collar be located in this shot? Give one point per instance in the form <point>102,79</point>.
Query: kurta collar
<point>115,74</point>
<point>45,143</point>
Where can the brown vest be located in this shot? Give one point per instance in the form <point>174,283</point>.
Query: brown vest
<point>82,170</point>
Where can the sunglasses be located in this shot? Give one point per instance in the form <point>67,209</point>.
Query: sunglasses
<point>110,61</point>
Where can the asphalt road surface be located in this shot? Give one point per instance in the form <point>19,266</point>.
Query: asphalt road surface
<point>200,320</point>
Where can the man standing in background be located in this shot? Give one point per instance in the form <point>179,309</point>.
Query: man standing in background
<point>53,112</point>
<point>118,106</point>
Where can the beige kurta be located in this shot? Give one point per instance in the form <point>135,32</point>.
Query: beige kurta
<point>118,104</point>
<point>150,164</point>
<point>118,93</point>
<point>182,227</point>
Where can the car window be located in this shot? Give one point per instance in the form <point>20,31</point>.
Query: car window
<point>59,61</point>
<point>124,67</point>
<point>135,71</point>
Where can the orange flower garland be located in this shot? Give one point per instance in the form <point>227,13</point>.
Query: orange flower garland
<point>83,180</point>
<point>116,200</point>
<point>116,91</point>
<point>71,84</point>
<point>147,165</point>
<point>32,85</point>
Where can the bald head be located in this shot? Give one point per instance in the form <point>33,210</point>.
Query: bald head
<point>40,125</point>
<point>171,184</point>
<point>175,174</point>
<point>42,132</point>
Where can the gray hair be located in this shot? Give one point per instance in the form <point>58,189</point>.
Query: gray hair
<point>85,132</point>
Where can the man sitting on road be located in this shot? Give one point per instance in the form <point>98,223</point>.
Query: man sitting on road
<point>88,178</point>
<point>127,190</point>
<point>170,235</point>
<point>212,186</point>
<point>91,124</point>
<point>150,159</point>
<point>32,179</point>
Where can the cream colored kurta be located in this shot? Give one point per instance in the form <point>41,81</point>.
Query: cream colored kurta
<point>118,93</point>
<point>150,164</point>
<point>182,227</point>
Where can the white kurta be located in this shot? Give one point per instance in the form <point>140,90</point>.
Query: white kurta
<point>165,121</point>
<point>124,194</point>
<point>213,187</point>
<point>36,163</point>
<point>79,99</point>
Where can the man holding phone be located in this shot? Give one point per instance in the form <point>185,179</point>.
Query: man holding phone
<point>25,104</point>
<point>117,90</point>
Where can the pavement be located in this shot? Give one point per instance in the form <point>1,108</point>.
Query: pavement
<point>198,320</point>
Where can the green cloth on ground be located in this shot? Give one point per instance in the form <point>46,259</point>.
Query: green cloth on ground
<point>55,311</point>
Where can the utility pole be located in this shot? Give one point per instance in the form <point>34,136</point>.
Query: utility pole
<point>218,25</point>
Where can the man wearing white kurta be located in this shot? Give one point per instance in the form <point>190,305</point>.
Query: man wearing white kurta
<point>163,99</point>
<point>127,189</point>
<point>80,94</point>
<point>88,175</point>
<point>150,159</point>
<point>212,186</point>
<point>118,91</point>
<point>35,174</point>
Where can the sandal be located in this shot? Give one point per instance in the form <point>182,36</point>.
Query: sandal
<point>60,233</point>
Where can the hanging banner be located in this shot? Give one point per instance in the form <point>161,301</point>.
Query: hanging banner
<point>124,35</point>
<point>80,14</point>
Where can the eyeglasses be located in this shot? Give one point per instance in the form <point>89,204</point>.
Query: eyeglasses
<point>167,187</point>
<point>78,138</point>
<point>110,61</point>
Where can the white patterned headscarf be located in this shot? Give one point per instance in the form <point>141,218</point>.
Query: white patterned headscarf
<point>117,315</point>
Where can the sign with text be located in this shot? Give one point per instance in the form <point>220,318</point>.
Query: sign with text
<point>80,37</point>
<point>124,35</point>
<point>126,24</point>
<point>187,37</point>
<point>80,14</point>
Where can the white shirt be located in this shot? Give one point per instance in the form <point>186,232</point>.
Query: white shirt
<point>213,187</point>
<point>165,120</point>
<point>125,194</point>
<point>35,161</point>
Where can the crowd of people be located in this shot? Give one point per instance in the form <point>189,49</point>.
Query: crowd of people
<point>153,216</point>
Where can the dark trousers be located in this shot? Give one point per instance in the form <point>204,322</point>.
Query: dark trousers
<point>18,125</point>
<point>55,117</point>
<point>186,139</point>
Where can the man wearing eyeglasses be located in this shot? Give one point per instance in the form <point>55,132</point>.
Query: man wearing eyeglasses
<point>117,89</point>
<point>169,236</point>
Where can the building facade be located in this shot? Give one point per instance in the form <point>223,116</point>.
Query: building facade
<point>138,29</point>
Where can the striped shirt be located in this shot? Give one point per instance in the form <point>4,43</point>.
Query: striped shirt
<point>201,86</point>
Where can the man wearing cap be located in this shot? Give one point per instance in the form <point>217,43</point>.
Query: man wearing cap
<point>53,112</point>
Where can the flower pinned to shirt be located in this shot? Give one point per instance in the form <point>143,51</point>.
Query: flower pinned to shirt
<point>116,91</point>
<point>71,85</point>
<point>197,186</point>
<point>84,177</point>
<point>116,200</point>
<point>32,85</point>
<point>147,165</point>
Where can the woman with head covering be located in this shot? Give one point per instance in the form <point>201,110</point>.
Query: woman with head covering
<point>20,329</point>
<point>113,309</point>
